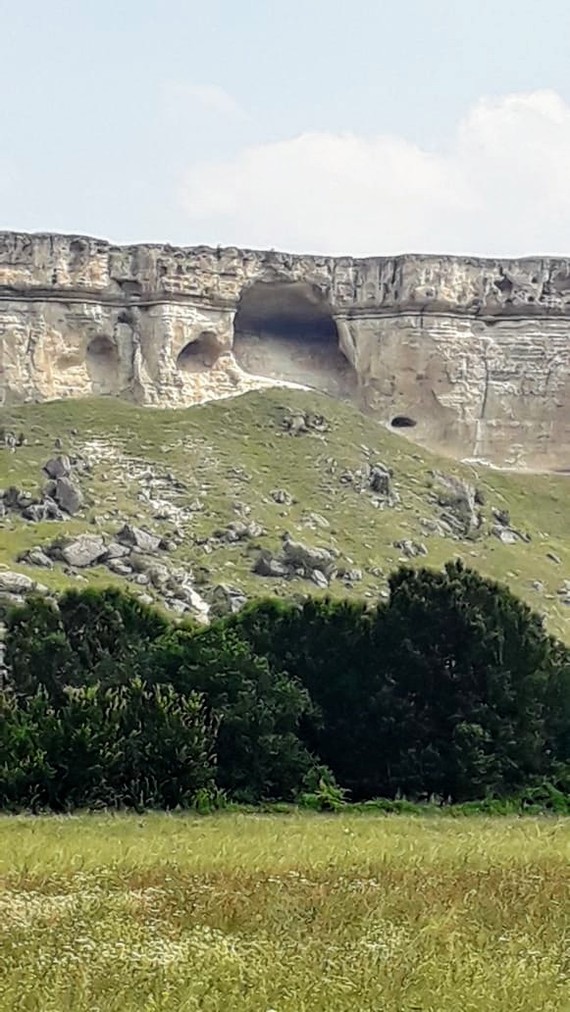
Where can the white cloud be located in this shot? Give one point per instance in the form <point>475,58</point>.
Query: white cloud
<point>501,187</point>
<point>209,97</point>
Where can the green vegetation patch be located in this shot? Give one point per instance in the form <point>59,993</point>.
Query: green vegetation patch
<point>228,457</point>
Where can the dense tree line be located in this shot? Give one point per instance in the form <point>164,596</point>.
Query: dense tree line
<point>451,688</point>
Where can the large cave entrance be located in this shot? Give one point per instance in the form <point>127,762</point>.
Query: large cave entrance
<point>285,331</point>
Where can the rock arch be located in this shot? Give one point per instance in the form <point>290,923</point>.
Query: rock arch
<point>103,366</point>
<point>285,331</point>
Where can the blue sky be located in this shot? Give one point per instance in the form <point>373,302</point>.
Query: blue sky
<point>324,126</point>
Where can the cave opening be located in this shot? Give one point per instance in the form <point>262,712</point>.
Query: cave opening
<point>200,354</point>
<point>102,361</point>
<point>403,422</point>
<point>285,331</point>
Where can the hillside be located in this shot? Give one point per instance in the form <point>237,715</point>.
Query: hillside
<point>223,483</point>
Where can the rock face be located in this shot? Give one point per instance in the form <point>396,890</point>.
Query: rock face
<point>468,355</point>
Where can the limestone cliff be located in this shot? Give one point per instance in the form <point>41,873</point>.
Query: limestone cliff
<point>474,354</point>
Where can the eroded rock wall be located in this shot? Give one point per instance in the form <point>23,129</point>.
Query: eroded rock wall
<point>475,352</point>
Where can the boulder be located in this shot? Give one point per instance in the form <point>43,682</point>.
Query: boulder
<point>266,565</point>
<point>410,549</point>
<point>505,534</point>
<point>16,583</point>
<point>351,575</point>
<point>116,551</point>
<point>457,497</point>
<point>379,479</point>
<point>227,600</point>
<point>36,557</point>
<point>300,556</point>
<point>279,495</point>
<point>119,567</point>
<point>238,530</point>
<point>57,467</point>
<point>319,579</point>
<point>83,551</point>
<point>68,496</point>
<point>35,512</point>
<point>136,537</point>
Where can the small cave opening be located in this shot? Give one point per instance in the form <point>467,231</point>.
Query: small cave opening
<point>201,354</point>
<point>403,422</point>
<point>285,331</point>
<point>102,361</point>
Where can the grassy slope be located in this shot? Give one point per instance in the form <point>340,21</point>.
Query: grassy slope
<point>293,913</point>
<point>203,446</point>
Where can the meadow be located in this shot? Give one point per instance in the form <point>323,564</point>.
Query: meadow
<point>292,912</point>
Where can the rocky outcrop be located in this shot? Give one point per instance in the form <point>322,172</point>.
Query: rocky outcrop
<point>467,355</point>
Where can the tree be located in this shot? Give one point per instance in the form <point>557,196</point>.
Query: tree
<point>468,665</point>
<point>260,754</point>
<point>90,637</point>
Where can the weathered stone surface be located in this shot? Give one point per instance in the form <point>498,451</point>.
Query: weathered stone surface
<point>36,557</point>
<point>135,537</point>
<point>411,549</point>
<point>15,583</point>
<point>68,496</point>
<point>82,551</point>
<point>301,556</point>
<point>227,600</point>
<point>58,467</point>
<point>471,354</point>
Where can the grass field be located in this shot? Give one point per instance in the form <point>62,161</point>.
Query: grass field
<point>292,913</point>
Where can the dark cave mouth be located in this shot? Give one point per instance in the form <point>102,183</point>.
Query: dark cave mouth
<point>286,331</point>
<point>403,422</point>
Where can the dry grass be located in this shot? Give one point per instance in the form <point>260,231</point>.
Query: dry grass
<point>293,913</point>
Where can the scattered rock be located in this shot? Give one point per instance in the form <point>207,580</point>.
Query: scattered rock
<point>502,517</point>
<point>16,583</point>
<point>301,556</point>
<point>68,496</point>
<point>554,558</point>
<point>116,551</point>
<point>350,576</point>
<point>136,537</point>
<point>36,557</point>
<point>58,467</point>
<point>457,498</point>
<point>411,549</point>
<point>298,422</point>
<point>80,552</point>
<point>279,495</point>
<point>380,479</point>
<point>505,534</point>
<point>266,565</point>
<point>319,578</point>
<point>227,600</point>
<point>119,567</point>
<point>315,520</point>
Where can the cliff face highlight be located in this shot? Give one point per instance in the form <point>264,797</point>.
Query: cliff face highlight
<point>470,356</point>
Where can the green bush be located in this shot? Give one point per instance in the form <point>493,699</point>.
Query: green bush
<point>449,693</point>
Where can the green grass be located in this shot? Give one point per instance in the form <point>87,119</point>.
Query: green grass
<point>296,913</point>
<point>202,446</point>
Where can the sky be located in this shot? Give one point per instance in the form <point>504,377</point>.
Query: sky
<point>319,126</point>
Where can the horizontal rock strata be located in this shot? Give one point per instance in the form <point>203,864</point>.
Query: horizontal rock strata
<point>466,355</point>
